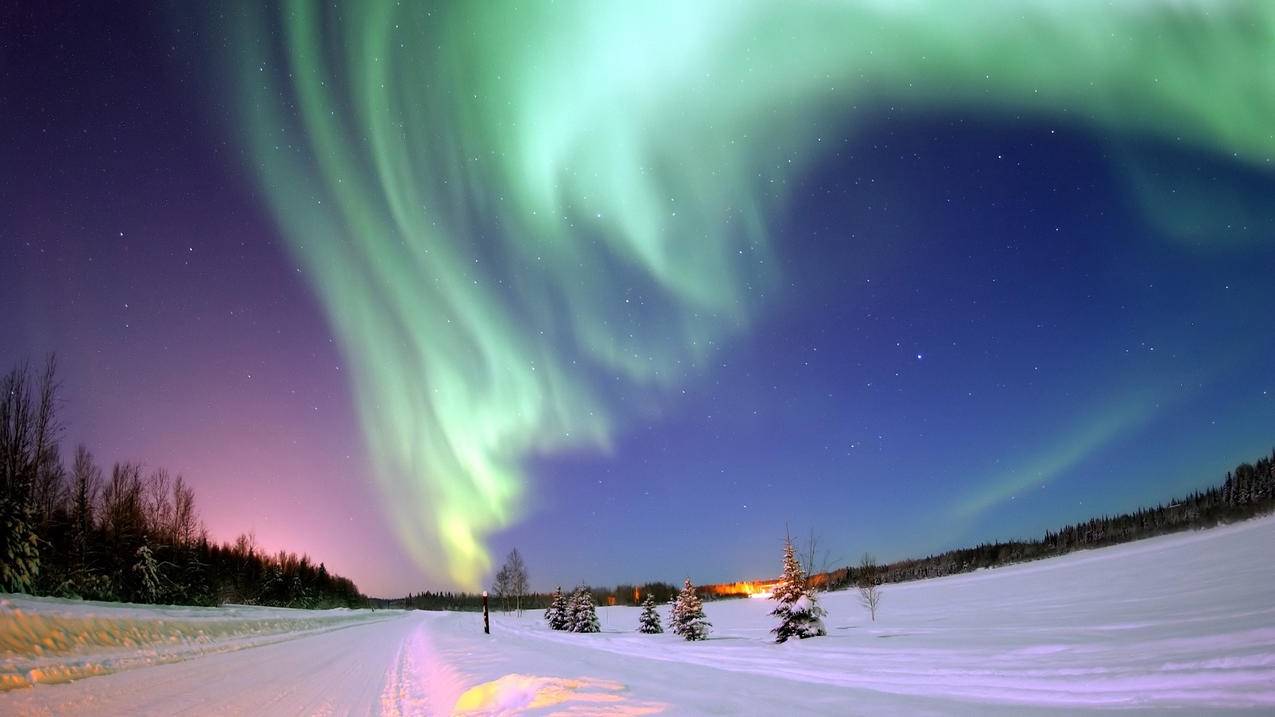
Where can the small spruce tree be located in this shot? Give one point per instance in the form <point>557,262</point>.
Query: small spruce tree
<point>557,613</point>
<point>147,570</point>
<point>650,621</point>
<point>798,611</point>
<point>688,615</point>
<point>584,617</point>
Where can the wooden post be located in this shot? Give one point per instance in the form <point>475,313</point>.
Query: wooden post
<point>486,619</point>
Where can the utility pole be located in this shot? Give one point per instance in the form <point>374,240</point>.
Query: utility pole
<point>486,619</point>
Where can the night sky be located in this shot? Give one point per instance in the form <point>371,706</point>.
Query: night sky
<point>634,290</point>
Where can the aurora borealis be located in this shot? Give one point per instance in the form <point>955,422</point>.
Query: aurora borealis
<point>585,262</point>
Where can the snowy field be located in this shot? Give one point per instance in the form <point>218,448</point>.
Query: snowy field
<point>1183,624</point>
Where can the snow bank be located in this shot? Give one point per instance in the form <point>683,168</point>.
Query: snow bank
<point>49,640</point>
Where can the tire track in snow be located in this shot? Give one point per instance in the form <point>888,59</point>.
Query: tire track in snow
<point>421,681</point>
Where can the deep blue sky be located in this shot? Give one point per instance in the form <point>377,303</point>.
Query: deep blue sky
<point>985,326</point>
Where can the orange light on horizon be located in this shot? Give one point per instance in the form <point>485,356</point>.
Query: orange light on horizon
<point>748,588</point>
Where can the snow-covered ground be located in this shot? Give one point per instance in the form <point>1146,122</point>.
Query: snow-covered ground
<point>1182,623</point>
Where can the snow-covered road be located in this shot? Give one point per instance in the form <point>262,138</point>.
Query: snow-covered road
<point>1182,623</point>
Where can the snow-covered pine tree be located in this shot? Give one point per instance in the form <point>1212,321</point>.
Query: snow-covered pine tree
<point>557,614</point>
<point>584,617</point>
<point>798,611</point>
<point>675,609</point>
<point>147,570</point>
<point>688,615</point>
<point>569,612</point>
<point>649,623</point>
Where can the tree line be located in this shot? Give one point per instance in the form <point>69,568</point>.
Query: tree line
<point>128,534</point>
<point>625,594</point>
<point>1245,492</point>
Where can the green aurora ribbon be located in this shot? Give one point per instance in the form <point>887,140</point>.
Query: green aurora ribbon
<point>510,210</point>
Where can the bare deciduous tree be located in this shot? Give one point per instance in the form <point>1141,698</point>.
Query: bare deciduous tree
<point>869,584</point>
<point>16,435</point>
<point>511,581</point>
<point>246,544</point>
<point>159,508</point>
<point>500,587</point>
<point>816,560</point>
<point>517,578</point>
<point>29,430</point>
<point>49,490</point>
<point>123,508</point>
<point>86,478</point>
<point>185,522</point>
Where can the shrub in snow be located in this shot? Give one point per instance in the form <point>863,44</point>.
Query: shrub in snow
<point>650,621</point>
<point>556,614</point>
<point>798,611</point>
<point>688,615</point>
<point>584,617</point>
